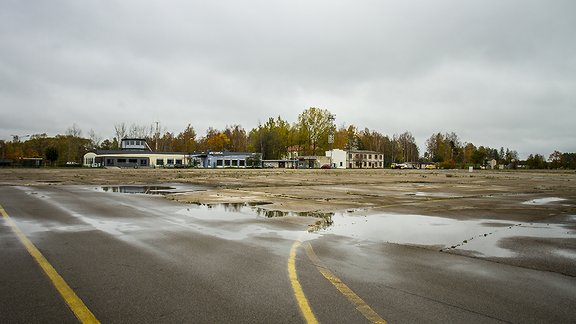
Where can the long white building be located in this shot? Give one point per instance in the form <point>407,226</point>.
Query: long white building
<point>135,153</point>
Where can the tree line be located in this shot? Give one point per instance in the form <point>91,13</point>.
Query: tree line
<point>312,134</point>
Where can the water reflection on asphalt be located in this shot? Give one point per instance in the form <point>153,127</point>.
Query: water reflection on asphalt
<point>478,236</point>
<point>149,189</point>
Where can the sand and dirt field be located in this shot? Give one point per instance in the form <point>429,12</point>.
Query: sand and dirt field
<point>533,200</point>
<point>511,195</point>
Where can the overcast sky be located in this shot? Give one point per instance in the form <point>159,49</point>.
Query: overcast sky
<point>497,73</point>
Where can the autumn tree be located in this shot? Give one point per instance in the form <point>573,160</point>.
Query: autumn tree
<point>346,138</point>
<point>238,138</point>
<point>405,148</point>
<point>218,142</point>
<point>445,148</point>
<point>108,145</point>
<point>214,140</point>
<point>51,154</point>
<point>186,140</point>
<point>77,146</point>
<point>568,160</point>
<point>273,138</point>
<point>314,125</point>
<point>166,142</point>
<point>536,161</point>
<point>37,145</point>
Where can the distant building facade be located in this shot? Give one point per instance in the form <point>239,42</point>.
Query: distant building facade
<point>135,153</point>
<point>356,159</point>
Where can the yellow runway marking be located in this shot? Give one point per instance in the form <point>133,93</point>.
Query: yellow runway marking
<point>298,292</point>
<point>74,302</point>
<point>361,306</point>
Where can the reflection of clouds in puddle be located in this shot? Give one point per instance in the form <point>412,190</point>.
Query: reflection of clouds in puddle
<point>150,190</point>
<point>434,194</point>
<point>542,201</point>
<point>475,236</point>
<point>570,254</point>
<point>229,221</point>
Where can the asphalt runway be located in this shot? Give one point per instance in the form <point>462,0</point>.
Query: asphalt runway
<point>136,258</point>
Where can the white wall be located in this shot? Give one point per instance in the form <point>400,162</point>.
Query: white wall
<point>338,158</point>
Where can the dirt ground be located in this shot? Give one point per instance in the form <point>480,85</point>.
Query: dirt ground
<point>541,197</point>
<point>448,193</point>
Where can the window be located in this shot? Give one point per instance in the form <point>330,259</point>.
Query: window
<point>235,163</point>
<point>242,163</point>
<point>219,162</point>
<point>170,161</point>
<point>159,161</point>
<point>133,160</point>
<point>341,163</point>
<point>143,162</point>
<point>109,161</point>
<point>226,162</point>
<point>121,160</point>
<point>370,156</point>
<point>350,156</point>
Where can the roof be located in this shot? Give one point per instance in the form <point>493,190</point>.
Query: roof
<point>224,153</point>
<point>363,151</point>
<point>146,152</point>
<point>136,152</point>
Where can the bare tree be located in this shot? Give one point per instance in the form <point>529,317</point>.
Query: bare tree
<point>95,139</point>
<point>120,130</point>
<point>74,131</point>
<point>137,131</point>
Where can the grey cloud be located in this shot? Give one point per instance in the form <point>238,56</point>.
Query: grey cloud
<point>496,72</point>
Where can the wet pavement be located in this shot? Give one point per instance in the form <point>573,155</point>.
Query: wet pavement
<point>478,237</point>
<point>407,266</point>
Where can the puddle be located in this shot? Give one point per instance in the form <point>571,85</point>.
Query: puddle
<point>147,190</point>
<point>478,237</point>
<point>240,221</point>
<point>543,201</point>
<point>434,194</point>
<point>234,221</point>
<point>237,211</point>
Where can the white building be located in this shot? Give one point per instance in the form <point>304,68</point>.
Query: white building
<point>356,159</point>
<point>338,158</point>
<point>135,153</point>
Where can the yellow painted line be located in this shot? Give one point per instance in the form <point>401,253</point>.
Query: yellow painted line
<point>297,288</point>
<point>361,306</point>
<point>74,302</point>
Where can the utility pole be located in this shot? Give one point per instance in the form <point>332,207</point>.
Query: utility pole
<point>157,136</point>
<point>331,118</point>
